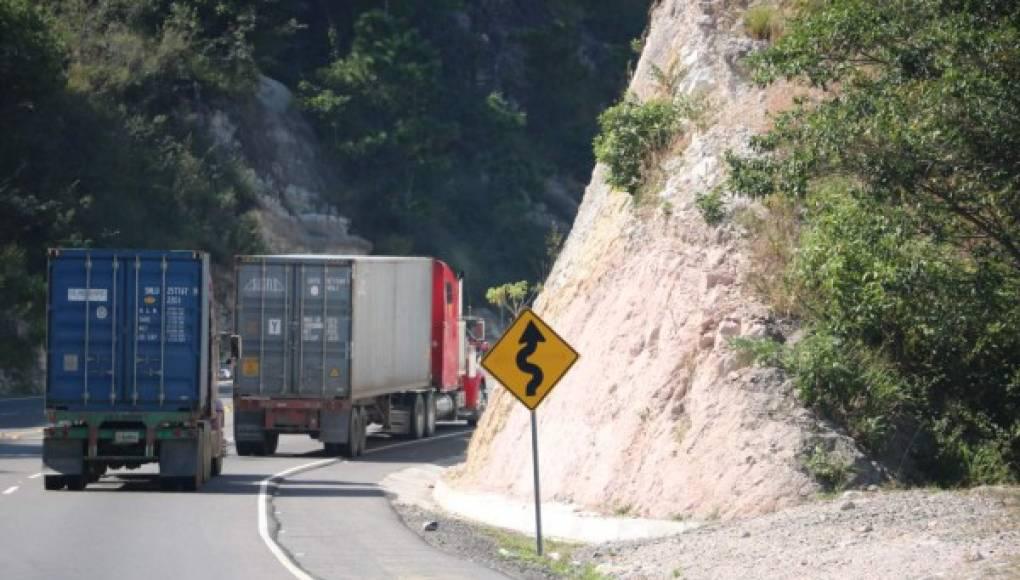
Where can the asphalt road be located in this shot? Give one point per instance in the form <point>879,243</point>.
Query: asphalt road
<point>325,518</point>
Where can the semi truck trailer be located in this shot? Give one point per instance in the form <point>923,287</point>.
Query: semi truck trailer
<point>130,362</point>
<point>331,344</point>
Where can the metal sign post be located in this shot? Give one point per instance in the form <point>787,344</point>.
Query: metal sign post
<point>529,360</point>
<point>538,493</point>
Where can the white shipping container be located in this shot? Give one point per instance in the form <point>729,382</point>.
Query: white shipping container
<point>333,326</point>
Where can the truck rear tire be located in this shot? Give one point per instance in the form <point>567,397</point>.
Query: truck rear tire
<point>76,482</point>
<point>430,414</point>
<point>353,445</point>
<point>418,417</point>
<point>270,442</point>
<point>54,482</point>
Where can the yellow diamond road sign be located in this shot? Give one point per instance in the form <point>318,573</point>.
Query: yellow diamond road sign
<point>529,359</point>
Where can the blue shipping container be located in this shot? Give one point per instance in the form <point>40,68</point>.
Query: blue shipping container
<point>128,330</point>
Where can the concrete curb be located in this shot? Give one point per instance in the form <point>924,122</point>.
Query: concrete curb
<point>426,489</point>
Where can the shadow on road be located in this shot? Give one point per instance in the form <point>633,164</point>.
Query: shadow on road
<point>382,450</point>
<point>404,449</point>
<point>236,484</point>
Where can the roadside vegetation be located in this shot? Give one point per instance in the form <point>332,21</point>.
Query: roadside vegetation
<point>512,298</point>
<point>96,147</point>
<point>632,133</point>
<point>557,561</point>
<point>443,145</point>
<point>763,22</point>
<point>900,192</point>
<point>634,136</point>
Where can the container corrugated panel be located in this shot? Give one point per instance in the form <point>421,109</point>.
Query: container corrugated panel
<point>392,325</point>
<point>329,326</point>
<point>127,330</point>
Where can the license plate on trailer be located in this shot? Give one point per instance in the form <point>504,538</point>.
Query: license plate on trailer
<point>126,437</point>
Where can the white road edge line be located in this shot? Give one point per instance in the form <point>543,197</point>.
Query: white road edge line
<point>36,476</point>
<point>274,480</point>
<point>3,400</point>
<point>10,490</point>
<point>275,548</point>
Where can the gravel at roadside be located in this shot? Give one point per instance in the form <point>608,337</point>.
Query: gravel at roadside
<point>507,552</point>
<point>868,535</point>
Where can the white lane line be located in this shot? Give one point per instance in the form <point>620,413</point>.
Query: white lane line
<point>275,548</point>
<point>274,481</point>
<point>36,476</point>
<point>10,490</point>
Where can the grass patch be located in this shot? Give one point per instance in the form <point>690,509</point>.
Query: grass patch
<point>711,207</point>
<point>831,471</point>
<point>772,245</point>
<point>521,549</point>
<point>763,22</point>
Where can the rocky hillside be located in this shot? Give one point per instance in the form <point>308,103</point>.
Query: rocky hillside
<point>289,171</point>
<point>661,417</point>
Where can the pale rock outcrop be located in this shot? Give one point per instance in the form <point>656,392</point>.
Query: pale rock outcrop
<point>287,167</point>
<point>661,417</point>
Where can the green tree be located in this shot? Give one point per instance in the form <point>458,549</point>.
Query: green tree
<point>909,262</point>
<point>100,145</point>
<point>378,105</point>
<point>512,298</point>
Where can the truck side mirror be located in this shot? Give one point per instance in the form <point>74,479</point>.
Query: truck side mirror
<point>235,347</point>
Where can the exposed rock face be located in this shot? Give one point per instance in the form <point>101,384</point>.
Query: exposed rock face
<point>660,417</point>
<point>289,172</point>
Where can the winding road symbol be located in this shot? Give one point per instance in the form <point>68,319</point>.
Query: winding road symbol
<point>529,359</point>
<point>530,339</point>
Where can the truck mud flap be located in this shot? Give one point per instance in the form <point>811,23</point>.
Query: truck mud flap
<point>334,426</point>
<point>249,425</point>
<point>178,458</point>
<point>66,457</point>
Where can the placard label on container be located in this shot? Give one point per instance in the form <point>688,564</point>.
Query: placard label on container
<point>83,295</point>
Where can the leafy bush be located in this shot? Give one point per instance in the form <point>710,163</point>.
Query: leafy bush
<point>881,361</point>
<point>832,472</point>
<point>631,132</point>
<point>711,207</point>
<point>908,261</point>
<point>763,22</point>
